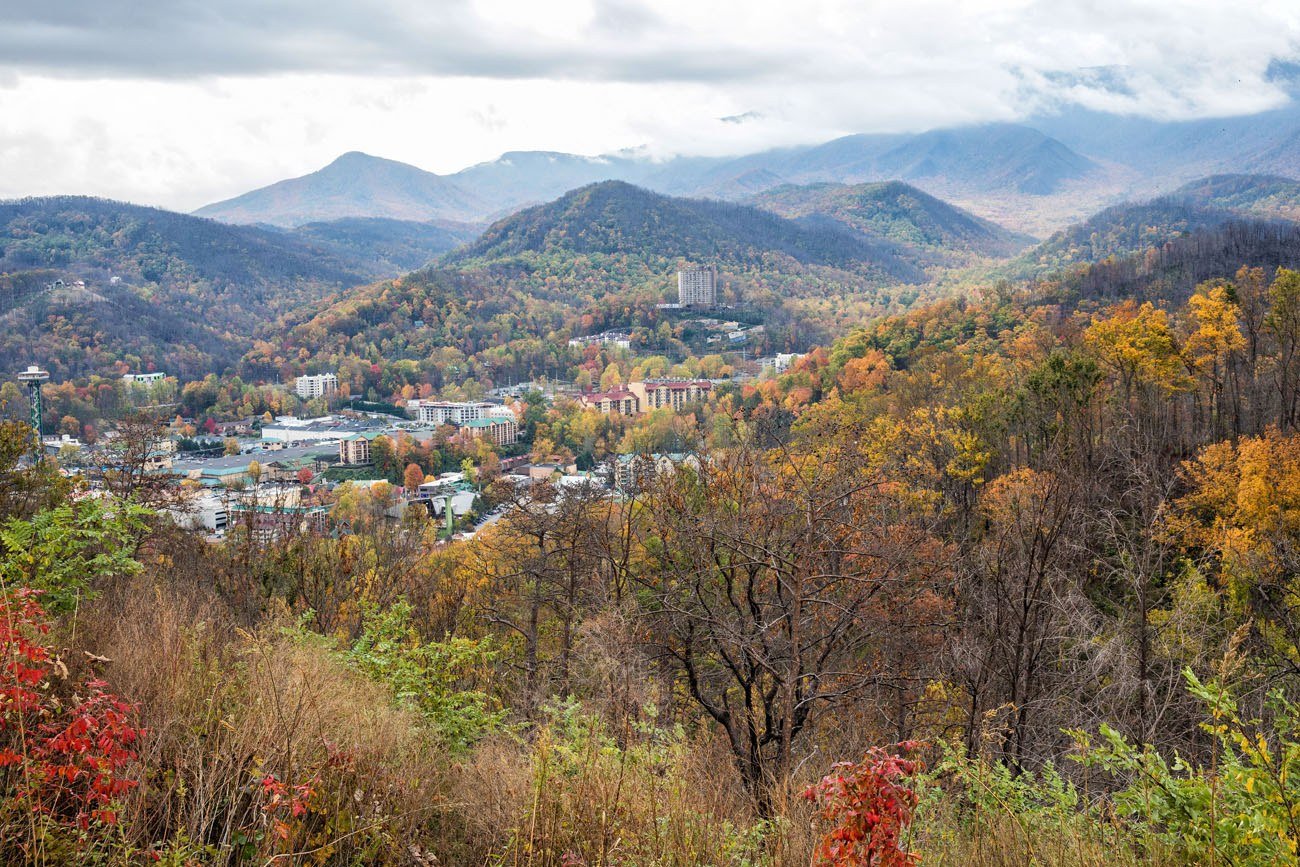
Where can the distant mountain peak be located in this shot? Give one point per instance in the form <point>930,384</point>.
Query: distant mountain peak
<point>355,184</point>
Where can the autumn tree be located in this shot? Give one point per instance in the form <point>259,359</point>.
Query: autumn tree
<point>779,589</point>
<point>542,563</point>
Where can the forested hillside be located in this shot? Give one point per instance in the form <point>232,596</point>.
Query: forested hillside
<point>1136,227</point>
<point>1257,195</point>
<point>615,218</point>
<point>387,247</point>
<point>901,214</point>
<point>600,257</point>
<point>1172,270</point>
<point>166,289</point>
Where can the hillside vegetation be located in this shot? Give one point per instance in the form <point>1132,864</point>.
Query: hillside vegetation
<point>162,289</point>
<point>984,582</point>
<point>385,246</point>
<point>901,214</point>
<point>600,257</point>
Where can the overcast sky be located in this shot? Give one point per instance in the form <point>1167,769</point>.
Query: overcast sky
<point>180,102</point>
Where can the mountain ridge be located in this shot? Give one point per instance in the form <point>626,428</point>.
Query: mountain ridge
<point>355,184</point>
<point>976,160</point>
<point>900,213</point>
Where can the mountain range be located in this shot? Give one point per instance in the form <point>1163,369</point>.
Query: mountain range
<point>1033,177</point>
<point>192,295</point>
<point>974,162</point>
<point>933,230</point>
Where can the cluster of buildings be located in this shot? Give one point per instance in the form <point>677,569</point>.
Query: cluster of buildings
<point>779,363</point>
<point>647,395</point>
<point>492,421</point>
<point>620,339</point>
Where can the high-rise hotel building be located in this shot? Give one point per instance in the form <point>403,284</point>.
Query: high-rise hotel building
<point>697,287</point>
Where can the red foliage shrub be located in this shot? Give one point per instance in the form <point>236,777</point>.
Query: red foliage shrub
<point>870,805</point>
<point>70,761</point>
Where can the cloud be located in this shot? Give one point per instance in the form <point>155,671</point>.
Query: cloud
<point>179,102</point>
<point>157,39</point>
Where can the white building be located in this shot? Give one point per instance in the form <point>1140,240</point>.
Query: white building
<point>308,387</point>
<point>621,339</point>
<point>780,362</point>
<point>455,412</point>
<point>208,510</point>
<point>328,428</point>
<point>697,287</point>
<point>144,378</point>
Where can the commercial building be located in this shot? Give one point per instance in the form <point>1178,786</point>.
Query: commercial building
<point>207,510</point>
<point>144,378</point>
<point>697,287</point>
<point>618,402</point>
<point>654,394</point>
<point>291,429</point>
<point>237,470</point>
<point>272,512</point>
<point>321,385</point>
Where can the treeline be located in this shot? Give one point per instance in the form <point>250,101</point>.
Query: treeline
<point>1170,271</point>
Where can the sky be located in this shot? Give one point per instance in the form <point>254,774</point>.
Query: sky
<point>178,103</point>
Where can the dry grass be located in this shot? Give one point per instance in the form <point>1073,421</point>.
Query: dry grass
<point>598,786</point>
<point>576,794</point>
<point>225,707</point>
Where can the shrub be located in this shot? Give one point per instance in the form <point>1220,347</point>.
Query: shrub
<point>426,675</point>
<point>67,763</point>
<point>1240,810</point>
<point>869,805</point>
<point>61,551</point>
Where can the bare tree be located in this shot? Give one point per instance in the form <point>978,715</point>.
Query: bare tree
<point>779,588</point>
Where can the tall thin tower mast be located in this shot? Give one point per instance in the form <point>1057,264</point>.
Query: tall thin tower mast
<point>33,377</point>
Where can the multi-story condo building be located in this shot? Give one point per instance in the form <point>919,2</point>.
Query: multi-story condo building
<point>355,449</point>
<point>697,287</point>
<point>454,412</point>
<point>308,387</point>
<point>675,393</point>
<point>632,472</point>
<point>500,430</point>
<point>617,402</point>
